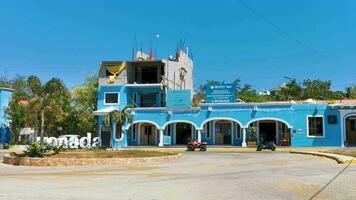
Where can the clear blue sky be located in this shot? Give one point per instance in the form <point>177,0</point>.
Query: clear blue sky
<point>69,38</point>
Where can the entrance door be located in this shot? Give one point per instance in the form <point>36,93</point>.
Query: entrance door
<point>148,134</point>
<point>351,130</point>
<point>223,133</point>
<point>105,135</point>
<point>183,133</point>
<point>267,131</point>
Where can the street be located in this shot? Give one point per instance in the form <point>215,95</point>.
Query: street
<point>200,175</point>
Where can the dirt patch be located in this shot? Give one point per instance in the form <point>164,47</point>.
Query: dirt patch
<point>111,154</point>
<point>303,190</point>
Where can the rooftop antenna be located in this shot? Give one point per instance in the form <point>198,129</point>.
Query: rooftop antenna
<point>134,48</point>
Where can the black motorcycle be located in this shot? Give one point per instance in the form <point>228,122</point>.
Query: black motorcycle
<point>266,145</point>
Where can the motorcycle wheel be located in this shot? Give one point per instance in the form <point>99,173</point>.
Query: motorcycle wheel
<point>273,148</point>
<point>202,148</point>
<point>190,147</point>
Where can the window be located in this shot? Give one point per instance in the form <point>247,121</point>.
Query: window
<point>133,132</point>
<point>238,131</point>
<point>315,126</point>
<point>148,100</point>
<point>111,98</point>
<point>169,129</point>
<point>207,131</point>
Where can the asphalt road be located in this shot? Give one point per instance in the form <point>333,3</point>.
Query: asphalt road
<point>200,175</point>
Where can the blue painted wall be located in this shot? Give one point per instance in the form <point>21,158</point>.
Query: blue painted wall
<point>293,115</point>
<point>5,96</point>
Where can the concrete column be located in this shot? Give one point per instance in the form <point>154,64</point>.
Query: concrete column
<point>160,138</point>
<point>244,144</point>
<point>199,135</point>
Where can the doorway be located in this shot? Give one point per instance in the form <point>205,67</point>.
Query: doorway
<point>148,134</point>
<point>350,123</point>
<point>183,133</point>
<point>267,131</point>
<point>223,132</point>
<point>105,136</point>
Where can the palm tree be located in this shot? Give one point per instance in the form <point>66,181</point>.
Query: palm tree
<point>121,117</point>
<point>45,98</point>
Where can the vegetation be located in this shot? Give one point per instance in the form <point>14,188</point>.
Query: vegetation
<point>119,116</point>
<point>49,107</point>
<point>308,89</point>
<point>40,149</point>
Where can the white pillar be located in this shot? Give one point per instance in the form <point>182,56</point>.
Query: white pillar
<point>244,137</point>
<point>160,138</point>
<point>199,135</point>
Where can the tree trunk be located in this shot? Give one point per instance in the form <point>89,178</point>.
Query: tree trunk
<point>42,125</point>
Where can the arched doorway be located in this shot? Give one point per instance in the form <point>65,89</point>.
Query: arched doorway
<point>271,130</point>
<point>222,131</point>
<point>148,134</point>
<point>350,127</point>
<point>179,132</point>
<point>143,133</point>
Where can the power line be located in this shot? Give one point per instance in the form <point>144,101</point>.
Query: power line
<point>290,36</point>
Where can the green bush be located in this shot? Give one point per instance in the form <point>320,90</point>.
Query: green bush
<point>36,149</point>
<point>40,149</point>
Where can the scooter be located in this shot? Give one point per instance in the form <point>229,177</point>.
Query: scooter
<point>266,145</point>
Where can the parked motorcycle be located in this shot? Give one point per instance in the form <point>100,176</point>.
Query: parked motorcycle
<point>266,145</point>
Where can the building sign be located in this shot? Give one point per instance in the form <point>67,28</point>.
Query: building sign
<point>220,93</point>
<point>72,141</point>
<point>179,98</point>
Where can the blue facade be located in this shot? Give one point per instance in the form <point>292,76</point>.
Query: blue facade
<point>163,115</point>
<point>5,95</point>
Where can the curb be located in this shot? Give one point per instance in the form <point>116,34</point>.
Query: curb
<point>27,161</point>
<point>340,159</point>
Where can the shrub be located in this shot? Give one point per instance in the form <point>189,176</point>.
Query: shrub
<point>40,149</point>
<point>36,149</point>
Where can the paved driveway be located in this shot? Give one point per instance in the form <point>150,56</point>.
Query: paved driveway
<point>200,175</point>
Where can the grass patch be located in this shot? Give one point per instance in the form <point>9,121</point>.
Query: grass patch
<point>111,154</point>
<point>345,152</point>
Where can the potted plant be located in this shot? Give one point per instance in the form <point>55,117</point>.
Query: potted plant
<point>251,136</point>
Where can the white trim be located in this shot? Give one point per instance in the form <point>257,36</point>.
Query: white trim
<point>268,118</point>
<point>118,98</point>
<point>181,121</point>
<point>312,136</point>
<point>220,118</point>
<point>142,121</point>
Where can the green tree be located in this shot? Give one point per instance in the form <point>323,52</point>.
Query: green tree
<point>121,117</point>
<point>291,91</point>
<point>81,118</point>
<point>351,92</point>
<point>45,99</point>
<point>317,89</point>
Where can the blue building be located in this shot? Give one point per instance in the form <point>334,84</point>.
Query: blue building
<point>162,90</point>
<point>5,95</point>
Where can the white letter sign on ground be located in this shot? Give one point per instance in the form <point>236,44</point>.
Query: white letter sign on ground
<point>72,141</point>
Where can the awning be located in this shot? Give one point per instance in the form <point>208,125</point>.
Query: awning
<point>104,111</point>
